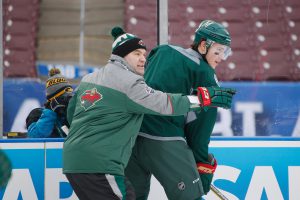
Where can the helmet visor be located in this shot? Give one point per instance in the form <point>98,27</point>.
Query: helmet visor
<point>220,50</point>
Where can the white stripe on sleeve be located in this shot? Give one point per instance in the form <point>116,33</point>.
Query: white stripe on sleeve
<point>193,99</point>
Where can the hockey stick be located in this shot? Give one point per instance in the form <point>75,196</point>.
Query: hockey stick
<point>217,192</point>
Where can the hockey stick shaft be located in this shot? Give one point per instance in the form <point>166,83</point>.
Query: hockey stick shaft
<point>218,193</point>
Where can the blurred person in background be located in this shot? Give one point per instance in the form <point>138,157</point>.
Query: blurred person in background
<point>5,169</point>
<point>105,116</point>
<point>51,121</point>
<point>175,149</point>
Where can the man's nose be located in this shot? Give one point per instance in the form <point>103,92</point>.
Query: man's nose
<point>143,58</point>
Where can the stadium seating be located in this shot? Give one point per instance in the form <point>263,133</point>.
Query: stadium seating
<point>23,13</point>
<point>19,37</point>
<point>295,68</point>
<point>292,12</point>
<point>256,26</point>
<point>19,42</point>
<point>242,35</point>
<point>20,27</point>
<point>275,65</point>
<point>20,3</point>
<point>59,35</point>
<point>241,66</point>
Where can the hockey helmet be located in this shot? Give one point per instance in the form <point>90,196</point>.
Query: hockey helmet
<point>212,32</point>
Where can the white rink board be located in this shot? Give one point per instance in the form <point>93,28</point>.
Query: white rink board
<point>248,169</point>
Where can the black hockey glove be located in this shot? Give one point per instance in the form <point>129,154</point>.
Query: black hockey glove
<point>60,104</point>
<point>215,96</point>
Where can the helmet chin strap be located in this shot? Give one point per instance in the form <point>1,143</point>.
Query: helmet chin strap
<point>195,47</point>
<point>208,44</point>
<point>204,54</point>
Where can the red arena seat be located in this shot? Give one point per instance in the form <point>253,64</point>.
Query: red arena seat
<point>242,65</point>
<point>19,69</point>
<point>19,42</point>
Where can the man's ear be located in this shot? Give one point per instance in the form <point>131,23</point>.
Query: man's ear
<point>202,47</point>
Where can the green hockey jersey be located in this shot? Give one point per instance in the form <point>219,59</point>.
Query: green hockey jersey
<point>177,70</point>
<point>105,116</point>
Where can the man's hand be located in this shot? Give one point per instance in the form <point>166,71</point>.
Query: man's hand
<point>206,171</point>
<point>215,96</point>
<point>55,105</point>
<point>59,104</point>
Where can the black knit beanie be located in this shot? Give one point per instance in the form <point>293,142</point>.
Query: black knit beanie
<point>125,43</point>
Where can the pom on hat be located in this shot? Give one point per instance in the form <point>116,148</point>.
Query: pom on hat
<point>56,84</point>
<point>116,32</point>
<point>125,43</point>
<point>53,72</point>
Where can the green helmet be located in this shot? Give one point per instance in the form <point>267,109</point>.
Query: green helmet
<point>213,31</point>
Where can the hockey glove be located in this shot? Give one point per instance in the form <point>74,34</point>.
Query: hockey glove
<point>215,96</point>
<point>59,104</point>
<point>56,105</point>
<point>206,171</point>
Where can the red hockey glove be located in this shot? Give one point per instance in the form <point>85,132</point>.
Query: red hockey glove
<point>215,96</point>
<point>206,171</point>
<point>205,168</point>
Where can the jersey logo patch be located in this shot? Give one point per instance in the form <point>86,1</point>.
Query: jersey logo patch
<point>149,90</point>
<point>181,185</point>
<point>89,98</point>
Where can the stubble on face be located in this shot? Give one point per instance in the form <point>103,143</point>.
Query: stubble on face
<point>136,60</point>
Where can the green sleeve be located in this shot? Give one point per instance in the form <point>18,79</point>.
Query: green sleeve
<point>71,108</point>
<point>198,133</point>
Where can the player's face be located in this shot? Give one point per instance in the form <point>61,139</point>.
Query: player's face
<point>216,53</point>
<point>137,59</point>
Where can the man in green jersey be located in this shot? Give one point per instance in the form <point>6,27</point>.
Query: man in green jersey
<point>105,115</point>
<point>175,149</point>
